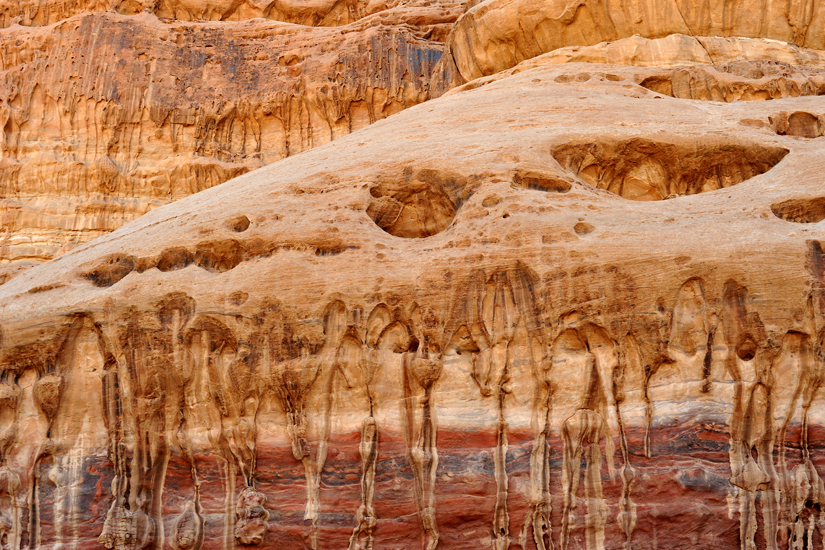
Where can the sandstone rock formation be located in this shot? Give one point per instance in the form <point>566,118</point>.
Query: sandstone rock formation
<point>576,302</point>
<point>496,34</point>
<point>570,305</point>
<point>106,115</point>
<point>327,13</point>
<point>110,108</point>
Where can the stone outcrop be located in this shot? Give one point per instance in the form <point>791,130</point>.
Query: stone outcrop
<point>568,306</point>
<point>327,13</point>
<point>495,35</point>
<point>104,116</point>
<point>576,302</point>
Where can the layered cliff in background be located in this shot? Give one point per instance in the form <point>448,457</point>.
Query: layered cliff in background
<point>325,13</point>
<point>104,116</point>
<point>497,34</point>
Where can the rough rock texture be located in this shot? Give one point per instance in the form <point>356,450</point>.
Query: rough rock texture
<point>105,116</point>
<point>707,68</point>
<point>326,13</point>
<point>497,34</point>
<point>573,305</point>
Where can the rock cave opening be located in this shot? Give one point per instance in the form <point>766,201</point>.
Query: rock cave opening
<point>643,170</point>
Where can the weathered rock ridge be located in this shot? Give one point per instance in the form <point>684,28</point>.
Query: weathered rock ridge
<point>497,34</point>
<point>110,108</point>
<point>569,306</point>
<point>327,13</point>
<point>105,116</point>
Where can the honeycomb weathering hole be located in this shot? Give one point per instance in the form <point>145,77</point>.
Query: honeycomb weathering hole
<point>741,80</point>
<point>415,208</point>
<point>644,170</point>
<point>111,270</point>
<point>539,181</point>
<point>798,124</point>
<point>800,210</point>
<point>239,224</point>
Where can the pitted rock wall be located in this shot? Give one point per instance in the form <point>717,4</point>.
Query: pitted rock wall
<point>525,332</point>
<point>495,35</point>
<point>105,116</point>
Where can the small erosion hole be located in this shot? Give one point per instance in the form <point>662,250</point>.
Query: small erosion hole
<point>539,181</point>
<point>219,256</point>
<point>112,270</point>
<point>44,288</point>
<point>798,124</point>
<point>800,210</point>
<point>173,259</point>
<point>238,298</point>
<point>746,351</point>
<point>239,224</point>
<point>582,228</point>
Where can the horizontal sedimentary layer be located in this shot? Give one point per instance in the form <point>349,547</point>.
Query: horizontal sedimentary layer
<point>682,493</point>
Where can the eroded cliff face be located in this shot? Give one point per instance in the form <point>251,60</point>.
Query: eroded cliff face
<point>327,13</point>
<point>104,116</point>
<point>590,315</point>
<point>110,108</point>
<point>495,35</point>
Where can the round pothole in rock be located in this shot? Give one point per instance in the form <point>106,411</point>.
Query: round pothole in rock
<point>800,210</point>
<point>414,209</point>
<point>173,259</point>
<point>746,350</point>
<point>239,224</point>
<point>798,124</point>
<point>644,170</point>
<point>583,228</point>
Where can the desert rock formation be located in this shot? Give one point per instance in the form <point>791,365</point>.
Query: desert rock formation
<point>325,13</point>
<point>577,302</point>
<point>496,34</point>
<point>105,115</point>
<point>589,315</point>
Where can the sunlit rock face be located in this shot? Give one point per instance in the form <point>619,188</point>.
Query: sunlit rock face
<point>106,114</point>
<point>577,302</point>
<point>497,34</point>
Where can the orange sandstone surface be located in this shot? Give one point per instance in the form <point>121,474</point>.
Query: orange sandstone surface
<point>575,301</point>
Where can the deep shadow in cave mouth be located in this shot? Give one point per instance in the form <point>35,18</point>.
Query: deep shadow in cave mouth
<point>644,170</point>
